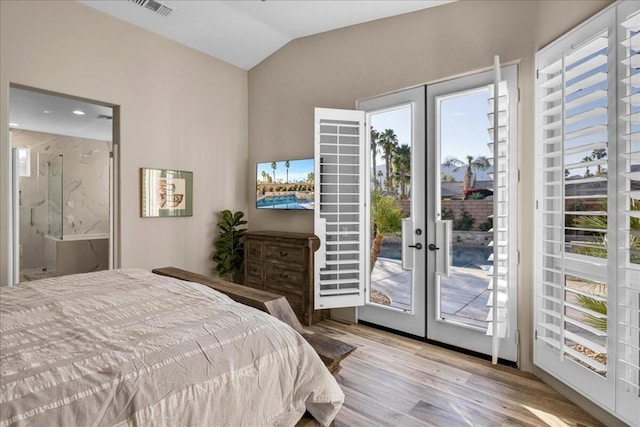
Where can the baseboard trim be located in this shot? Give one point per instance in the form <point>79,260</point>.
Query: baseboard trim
<point>501,361</point>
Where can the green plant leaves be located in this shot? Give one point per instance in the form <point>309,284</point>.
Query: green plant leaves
<point>597,306</point>
<point>229,246</point>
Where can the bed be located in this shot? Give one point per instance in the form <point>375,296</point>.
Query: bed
<point>128,347</point>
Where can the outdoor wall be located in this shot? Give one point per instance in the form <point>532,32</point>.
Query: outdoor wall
<point>479,210</point>
<point>336,68</point>
<point>179,109</point>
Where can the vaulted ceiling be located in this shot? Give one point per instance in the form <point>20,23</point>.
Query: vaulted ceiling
<point>244,33</point>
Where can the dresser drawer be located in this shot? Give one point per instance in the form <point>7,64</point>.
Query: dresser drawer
<point>285,254</point>
<point>284,277</point>
<point>282,262</point>
<point>254,271</point>
<point>253,249</point>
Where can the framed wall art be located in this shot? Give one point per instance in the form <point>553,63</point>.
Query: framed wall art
<point>165,193</point>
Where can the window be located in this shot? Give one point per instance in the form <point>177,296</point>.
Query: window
<point>24,161</point>
<point>588,213</point>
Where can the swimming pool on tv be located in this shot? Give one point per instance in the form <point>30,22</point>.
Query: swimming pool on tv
<point>284,202</point>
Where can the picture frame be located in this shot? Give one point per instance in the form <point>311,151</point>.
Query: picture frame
<point>165,193</point>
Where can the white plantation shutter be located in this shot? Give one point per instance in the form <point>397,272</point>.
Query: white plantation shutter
<point>587,301</point>
<point>498,318</point>
<point>339,208</point>
<point>573,111</point>
<point>628,289</point>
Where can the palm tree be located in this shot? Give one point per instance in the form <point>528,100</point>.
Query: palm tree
<point>599,154</point>
<point>587,159</point>
<point>402,167</point>
<point>472,164</point>
<point>388,142</point>
<point>375,150</point>
<point>286,165</point>
<point>386,217</point>
<point>264,177</point>
<point>380,175</point>
<point>274,166</point>
<point>446,178</point>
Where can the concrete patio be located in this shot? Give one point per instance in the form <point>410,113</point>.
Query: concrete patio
<point>464,293</point>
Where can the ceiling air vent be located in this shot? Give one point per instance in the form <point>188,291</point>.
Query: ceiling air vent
<point>154,6</point>
<point>104,117</point>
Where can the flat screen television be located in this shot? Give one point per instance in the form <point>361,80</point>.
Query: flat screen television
<point>285,184</point>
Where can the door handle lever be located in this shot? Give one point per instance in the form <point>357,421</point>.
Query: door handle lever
<point>433,247</point>
<point>418,246</point>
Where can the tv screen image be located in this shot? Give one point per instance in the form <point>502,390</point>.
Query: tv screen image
<point>286,184</point>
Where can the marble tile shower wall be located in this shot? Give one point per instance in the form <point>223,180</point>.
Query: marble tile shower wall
<point>66,194</point>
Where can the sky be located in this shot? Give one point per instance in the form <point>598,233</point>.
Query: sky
<point>399,120</point>
<point>464,126</point>
<point>298,170</point>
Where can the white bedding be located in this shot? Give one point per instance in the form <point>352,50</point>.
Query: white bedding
<point>128,347</point>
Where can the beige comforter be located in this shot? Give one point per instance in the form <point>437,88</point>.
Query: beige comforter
<point>128,347</point>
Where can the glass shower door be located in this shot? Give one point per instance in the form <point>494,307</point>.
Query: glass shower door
<point>55,202</point>
<point>41,209</point>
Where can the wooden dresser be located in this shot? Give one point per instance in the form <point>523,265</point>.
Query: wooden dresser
<point>282,263</point>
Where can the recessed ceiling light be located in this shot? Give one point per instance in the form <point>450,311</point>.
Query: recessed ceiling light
<point>47,112</point>
<point>14,125</point>
<point>78,112</point>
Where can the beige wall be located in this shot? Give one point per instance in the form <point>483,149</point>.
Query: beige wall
<point>336,68</point>
<point>179,109</point>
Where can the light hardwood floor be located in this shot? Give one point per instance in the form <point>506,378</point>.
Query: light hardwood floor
<point>395,381</point>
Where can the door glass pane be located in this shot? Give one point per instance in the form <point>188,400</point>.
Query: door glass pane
<point>390,174</point>
<point>466,199</point>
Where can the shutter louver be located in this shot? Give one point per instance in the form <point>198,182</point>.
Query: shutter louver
<point>628,286</point>
<point>339,208</point>
<point>499,259</point>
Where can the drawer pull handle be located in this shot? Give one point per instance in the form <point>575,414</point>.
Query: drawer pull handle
<point>283,253</point>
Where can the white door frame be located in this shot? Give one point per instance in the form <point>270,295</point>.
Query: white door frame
<point>413,322</point>
<point>438,329</point>
<point>10,226</point>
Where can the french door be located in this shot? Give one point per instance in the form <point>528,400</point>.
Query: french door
<point>395,169</point>
<point>470,191</point>
<point>417,211</point>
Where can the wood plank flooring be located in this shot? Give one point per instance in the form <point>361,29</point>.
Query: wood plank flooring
<point>395,381</point>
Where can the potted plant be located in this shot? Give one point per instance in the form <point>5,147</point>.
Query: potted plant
<point>229,246</point>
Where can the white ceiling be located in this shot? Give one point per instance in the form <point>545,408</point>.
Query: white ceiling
<point>35,111</point>
<point>244,32</point>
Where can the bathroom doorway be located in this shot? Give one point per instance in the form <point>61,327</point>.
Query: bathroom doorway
<point>63,170</point>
